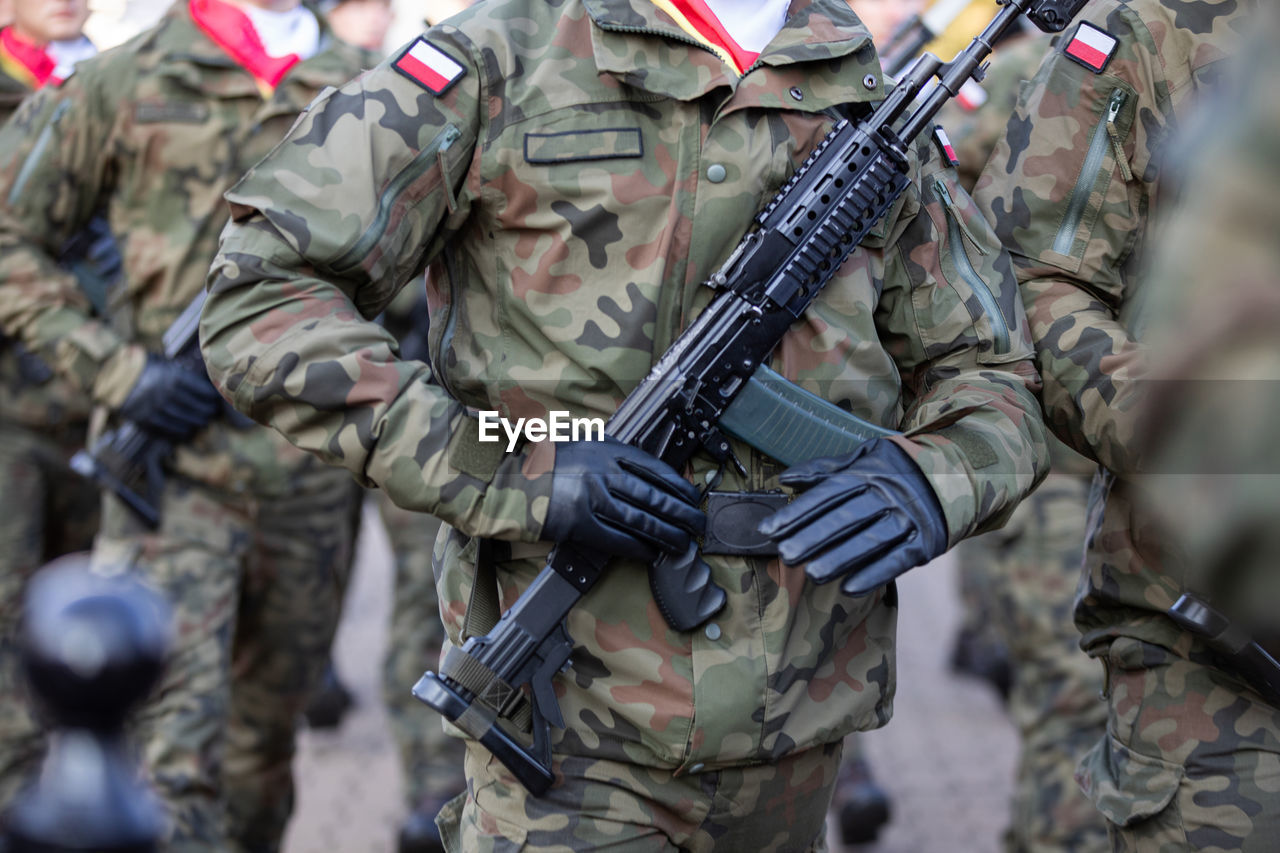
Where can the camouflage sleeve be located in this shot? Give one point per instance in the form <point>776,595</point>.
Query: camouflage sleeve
<point>54,171</point>
<point>349,207</point>
<point>1068,189</point>
<point>951,316</point>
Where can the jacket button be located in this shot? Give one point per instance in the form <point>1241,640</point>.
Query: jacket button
<point>797,93</point>
<point>713,631</point>
<point>696,768</point>
<point>715,173</point>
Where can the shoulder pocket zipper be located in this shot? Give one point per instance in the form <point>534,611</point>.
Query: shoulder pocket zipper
<point>957,232</point>
<point>423,160</point>
<point>1104,135</point>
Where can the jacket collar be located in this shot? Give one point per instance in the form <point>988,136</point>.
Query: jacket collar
<point>640,44</point>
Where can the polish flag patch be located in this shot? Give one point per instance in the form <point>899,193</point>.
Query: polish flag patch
<point>940,136</point>
<point>971,95</point>
<point>429,67</point>
<point>1091,47</point>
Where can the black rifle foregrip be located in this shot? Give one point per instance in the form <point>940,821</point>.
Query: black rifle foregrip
<point>683,589</point>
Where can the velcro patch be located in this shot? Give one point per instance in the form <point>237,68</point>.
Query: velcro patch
<point>1091,47</point>
<point>971,95</point>
<point>944,143</point>
<point>429,67</point>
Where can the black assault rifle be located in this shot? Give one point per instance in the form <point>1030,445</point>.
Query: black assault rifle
<point>696,392</point>
<point>129,460</point>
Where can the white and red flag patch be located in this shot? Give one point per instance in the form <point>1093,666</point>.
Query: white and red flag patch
<point>429,66</point>
<point>1091,47</point>
<point>944,142</point>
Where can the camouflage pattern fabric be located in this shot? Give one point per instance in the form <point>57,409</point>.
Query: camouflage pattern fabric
<point>1191,758</point>
<point>1078,301</point>
<point>256,588</point>
<point>600,804</point>
<point>151,134</point>
<point>556,281</point>
<point>1027,573</point>
<point>1073,190</point>
<point>430,760</point>
<point>976,128</point>
<point>1018,583</point>
<point>1212,328</point>
<point>1201,749</point>
<point>46,511</point>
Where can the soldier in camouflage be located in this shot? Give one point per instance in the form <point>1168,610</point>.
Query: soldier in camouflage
<point>254,533</point>
<point>1018,583</point>
<point>1213,456</point>
<point>571,172</point>
<point>46,510</point>
<point>1189,758</point>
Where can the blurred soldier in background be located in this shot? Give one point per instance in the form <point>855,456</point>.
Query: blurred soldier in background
<point>1018,583</point>
<point>1189,758</point>
<point>254,535</point>
<point>46,509</point>
<point>41,41</point>
<point>1214,464</point>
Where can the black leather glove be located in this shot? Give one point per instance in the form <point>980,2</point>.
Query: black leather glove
<point>866,517</point>
<point>617,499</point>
<point>171,400</point>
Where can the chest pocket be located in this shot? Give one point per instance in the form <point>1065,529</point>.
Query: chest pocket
<point>572,146</point>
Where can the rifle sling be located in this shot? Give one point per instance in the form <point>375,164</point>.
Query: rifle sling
<point>483,611</point>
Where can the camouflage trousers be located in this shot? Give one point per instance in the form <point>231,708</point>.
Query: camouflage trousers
<point>623,808</point>
<point>431,760</point>
<point>1190,760</point>
<point>46,510</point>
<point>256,586</point>
<point>1025,576</point>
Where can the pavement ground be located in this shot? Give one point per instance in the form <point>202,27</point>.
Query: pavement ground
<point>946,758</point>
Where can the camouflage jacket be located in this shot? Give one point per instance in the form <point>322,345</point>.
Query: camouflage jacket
<point>29,393</point>
<point>586,170</point>
<point>1213,454</point>
<point>1072,190</point>
<point>151,134</point>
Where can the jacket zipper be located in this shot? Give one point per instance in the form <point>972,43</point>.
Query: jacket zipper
<point>450,326</point>
<point>37,151</point>
<point>956,233</point>
<point>421,161</point>
<point>1104,134</point>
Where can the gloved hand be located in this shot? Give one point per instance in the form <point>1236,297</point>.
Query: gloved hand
<point>617,499</point>
<point>866,517</point>
<point>170,399</point>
